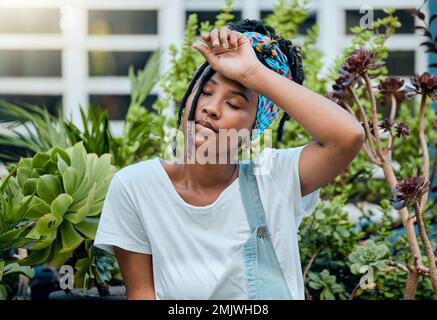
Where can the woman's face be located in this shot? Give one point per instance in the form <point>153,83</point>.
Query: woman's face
<point>226,105</point>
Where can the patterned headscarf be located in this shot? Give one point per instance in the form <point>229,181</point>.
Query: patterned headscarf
<point>268,49</point>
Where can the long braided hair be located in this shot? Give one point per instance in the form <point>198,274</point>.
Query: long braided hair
<point>292,53</point>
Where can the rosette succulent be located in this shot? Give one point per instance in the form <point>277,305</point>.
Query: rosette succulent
<point>68,188</point>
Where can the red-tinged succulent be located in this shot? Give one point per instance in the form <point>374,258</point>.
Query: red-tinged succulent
<point>402,130</point>
<point>424,84</point>
<point>391,86</point>
<point>360,61</point>
<point>340,93</point>
<point>385,125</point>
<point>408,191</point>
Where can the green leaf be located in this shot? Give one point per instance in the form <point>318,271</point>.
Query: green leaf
<point>23,174</point>
<point>327,294</point>
<point>79,159</point>
<point>70,180</point>
<point>36,257</point>
<point>80,215</point>
<point>61,204</point>
<point>17,268</point>
<point>48,187</point>
<point>3,292</point>
<point>315,285</point>
<point>37,208</point>
<point>46,242</point>
<point>2,266</point>
<point>60,254</point>
<point>29,186</point>
<point>39,160</point>
<point>70,237</point>
<point>46,224</point>
<point>82,267</point>
<point>88,227</point>
<point>57,152</point>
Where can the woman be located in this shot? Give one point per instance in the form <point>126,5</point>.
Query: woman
<point>175,227</point>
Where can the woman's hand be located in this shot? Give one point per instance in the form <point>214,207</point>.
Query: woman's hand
<point>230,53</point>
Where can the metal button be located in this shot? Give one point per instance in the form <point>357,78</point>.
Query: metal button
<point>260,232</point>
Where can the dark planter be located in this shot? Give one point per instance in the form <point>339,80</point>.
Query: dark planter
<point>116,293</point>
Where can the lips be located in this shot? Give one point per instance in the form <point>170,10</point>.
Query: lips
<point>206,124</point>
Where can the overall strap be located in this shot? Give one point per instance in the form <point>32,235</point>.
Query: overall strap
<point>250,195</point>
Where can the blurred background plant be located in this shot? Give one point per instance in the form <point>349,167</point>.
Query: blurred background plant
<point>343,256</point>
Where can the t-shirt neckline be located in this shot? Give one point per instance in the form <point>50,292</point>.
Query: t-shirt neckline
<point>220,199</point>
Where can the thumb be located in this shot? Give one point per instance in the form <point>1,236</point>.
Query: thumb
<point>206,52</point>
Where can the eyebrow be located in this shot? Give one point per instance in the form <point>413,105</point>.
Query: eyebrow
<point>239,93</point>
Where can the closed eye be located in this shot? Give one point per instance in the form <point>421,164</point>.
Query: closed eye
<point>231,105</point>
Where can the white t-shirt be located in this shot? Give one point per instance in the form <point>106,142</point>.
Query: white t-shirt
<point>192,245</point>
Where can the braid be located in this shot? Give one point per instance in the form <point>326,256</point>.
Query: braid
<point>184,101</point>
<point>209,73</point>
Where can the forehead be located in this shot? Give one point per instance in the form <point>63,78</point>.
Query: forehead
<point>232,84</point>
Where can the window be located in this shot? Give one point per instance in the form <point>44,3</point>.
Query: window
<point>103,22</point>
<point>401,62</point>
<point>407,21</point>
<point>29,20</point>
<point>117,105</point>
<point>30,63</point>
<point>203,16</point>
<point>108,63</point>
<point>303,28</point>
<point>50,102</point>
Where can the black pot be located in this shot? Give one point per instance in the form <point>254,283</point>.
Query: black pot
<point>115,293</point>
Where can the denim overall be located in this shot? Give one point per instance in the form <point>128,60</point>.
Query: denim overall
<point>254,272</point>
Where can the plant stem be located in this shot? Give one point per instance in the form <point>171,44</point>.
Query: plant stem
<point>369,136</point>
<point>428,247</point>
<point>307,269</point>
<point>391,119</point>
<point>424,147</point>
<point>351,296</point>
<point>310,263</point>
<point>411,285</point>
<point>374,116</point>
<point>393,108</point>
<point>407,222</point>
<point>366,148</point>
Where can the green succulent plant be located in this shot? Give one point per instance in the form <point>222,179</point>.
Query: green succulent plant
<point>13,228</point>
<point>368,259</point>
<point>67,189</point>
<point>328,285</point>
<point>98,268</point>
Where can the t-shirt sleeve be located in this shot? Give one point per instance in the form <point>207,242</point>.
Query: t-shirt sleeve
<point>284,169</point>
<point>120,224</point>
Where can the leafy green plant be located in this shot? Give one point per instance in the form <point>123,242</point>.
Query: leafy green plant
<point>143,130</point>
<point>66,189</point>
<point>327,284</point>
<point>97,268</point>
<point>13,229</point>
<point>96,135</point>
<point>34,129</point>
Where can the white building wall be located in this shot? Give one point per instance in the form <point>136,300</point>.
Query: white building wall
<point>75,85</point>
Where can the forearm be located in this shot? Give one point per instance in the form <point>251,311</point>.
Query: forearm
<point>325,121</point>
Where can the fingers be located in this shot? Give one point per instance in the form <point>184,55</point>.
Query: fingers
<point>233,39</point>
<point>223,38</point>
<point>224,35</point>
<point>214,34</point>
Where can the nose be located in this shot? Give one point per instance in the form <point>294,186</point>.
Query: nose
<point>211,110</point>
